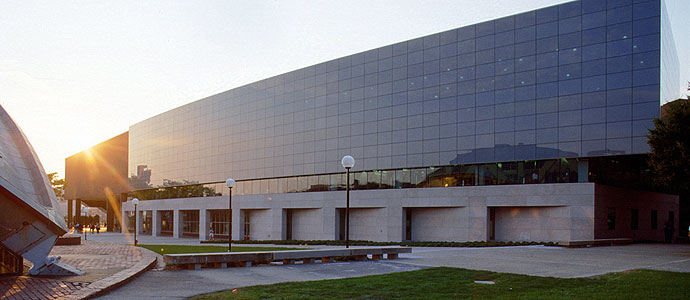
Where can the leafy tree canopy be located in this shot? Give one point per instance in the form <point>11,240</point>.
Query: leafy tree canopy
<point>670,145</point>
<point>58,184</point>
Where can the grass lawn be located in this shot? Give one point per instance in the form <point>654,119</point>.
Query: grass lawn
<point>175,249</point>
<point>453,283</point>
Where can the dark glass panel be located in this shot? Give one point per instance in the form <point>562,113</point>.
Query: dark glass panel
<point>292,185</point>
<point>402,179</point>
<point>465,175</point>
<point>487,174</point>
<point>283,185</point>
<point>569,169</point>
<point>437,175</point>
<point>418,177</point>
<point>388,179</point>
<point>548,171</point>
<point>359,180</point>
<point>528,172</point>
<point>507,173</point>
<point>593,20</point>
<point>336,182</point>
<point>256,187</point>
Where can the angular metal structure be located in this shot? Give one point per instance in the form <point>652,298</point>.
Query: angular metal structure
<point>30,220</point>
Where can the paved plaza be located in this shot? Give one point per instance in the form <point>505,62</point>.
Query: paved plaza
<point>109,261</point>
<point>528,260</point>
<point>107,266</point>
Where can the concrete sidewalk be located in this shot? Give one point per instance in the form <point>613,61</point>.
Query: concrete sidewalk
<point>528,260</point>
<point>107,267</point>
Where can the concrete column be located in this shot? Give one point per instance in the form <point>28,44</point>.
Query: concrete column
<point>331,222</point>
<point>203,224</point>
<point>139,220</point>
<point>155,223</point>
<point>236,224</point>
<point>124,221</point>
<point>396,223</point>
<point>478,219</point>
<point>583,171</point>
<point>77,211</point>
<point>177,224</point>
<point>69,212</point>
<point>283,221</point>
<point>109,215</point>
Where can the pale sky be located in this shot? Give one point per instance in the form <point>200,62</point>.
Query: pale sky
<point>73,74</point>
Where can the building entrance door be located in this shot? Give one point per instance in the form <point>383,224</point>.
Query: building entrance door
<point>408,224</point>
<point>492,223</point>
<point>288,225</point>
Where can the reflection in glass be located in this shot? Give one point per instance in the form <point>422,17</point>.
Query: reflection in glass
<point>360,180</point>
<point>402,179</point>
<point>337,182</point>
<point>548,171</point>
<point>190,222</point>
<point>292,185</point>
<point>466,175</point>
<point>418,177</point>
<point>486,174</point>
<point>302,184</point>
<point>507,173</point>
<point>388,179</point>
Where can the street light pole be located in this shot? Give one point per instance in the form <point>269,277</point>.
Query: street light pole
<point>347,162</point>
<point>230,183</point>
<point>135,201</point>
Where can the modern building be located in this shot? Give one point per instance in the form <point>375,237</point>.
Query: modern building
<point>527,127</point>
<point>97,177</point>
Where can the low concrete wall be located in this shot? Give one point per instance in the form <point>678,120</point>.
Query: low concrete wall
<point>536,212</point>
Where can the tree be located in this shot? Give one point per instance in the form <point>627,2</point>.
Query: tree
<point>670,157</point>
<point>58,184</point>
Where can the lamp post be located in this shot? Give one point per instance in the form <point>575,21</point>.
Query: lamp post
<point>347,162</point>
<point>230,183</point>
<point>135,201</point>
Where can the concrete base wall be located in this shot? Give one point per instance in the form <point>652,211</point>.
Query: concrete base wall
<point>621,202</point>
<point>439,224</point>
<point>260,224</point>
<point>538,212</point>
<point>368,224</point>
<point>307,224</point>
<point>534,224</point>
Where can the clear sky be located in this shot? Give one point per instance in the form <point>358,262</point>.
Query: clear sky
<point>75,73</point>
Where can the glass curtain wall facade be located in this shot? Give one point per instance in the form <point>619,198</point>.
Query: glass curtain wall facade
<point>514,100</point>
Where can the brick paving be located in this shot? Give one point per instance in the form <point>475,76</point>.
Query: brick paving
<point>107,266</point>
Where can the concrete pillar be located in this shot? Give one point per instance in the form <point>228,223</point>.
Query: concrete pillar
<point>124,221</point>
<point>155,223</point>
<point>396,223</point>
<point>177,224</point>
<point>139,220</point>
<point>283,221</point>
<point>478,219</point>
<point>77,211</point>
<point>329,223</point>
<point>70,217</point>
<point>109,215</point>
<point>203,224</point>
<point>583,171</point>
<point>243,213</point>
<point>236,222</point>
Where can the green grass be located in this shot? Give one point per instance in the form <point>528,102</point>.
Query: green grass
<point>372,243</point>
<point>176,249</point>
<point>453,283</point>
